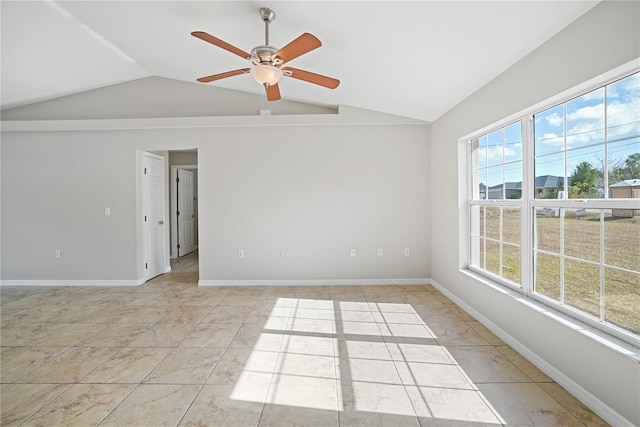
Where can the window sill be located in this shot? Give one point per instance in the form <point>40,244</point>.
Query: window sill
<point>611,342</point>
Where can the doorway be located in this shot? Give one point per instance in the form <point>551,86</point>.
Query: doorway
<point>184,210</point>
<point>158,233</point>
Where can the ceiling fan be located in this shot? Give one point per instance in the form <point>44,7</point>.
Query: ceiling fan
<point>268,61</point>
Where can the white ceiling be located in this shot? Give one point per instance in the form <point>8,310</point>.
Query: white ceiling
<point>416,59</point>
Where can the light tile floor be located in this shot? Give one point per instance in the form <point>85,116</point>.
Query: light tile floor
<point>169,353</point>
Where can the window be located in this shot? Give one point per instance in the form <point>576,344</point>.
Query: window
<point>495,202</point>
<point>554,206</point>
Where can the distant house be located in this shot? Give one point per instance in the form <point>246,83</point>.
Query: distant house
<point>629,188</point>
<point>512,190</point>
<point>547,186</point>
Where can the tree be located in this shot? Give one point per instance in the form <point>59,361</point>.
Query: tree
<point>584,180</point>
<point>629,169</point>
<point>632,166</point>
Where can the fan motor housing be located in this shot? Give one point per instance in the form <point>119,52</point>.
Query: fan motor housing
<point>264,55</point>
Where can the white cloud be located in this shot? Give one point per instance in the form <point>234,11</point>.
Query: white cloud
<point>623,118</point>
<point>554,119</point>
<point>585,124</point>
<point>551,139</point>
<point>597,95</point>
<point>628,88</point>
<point>494,153</point>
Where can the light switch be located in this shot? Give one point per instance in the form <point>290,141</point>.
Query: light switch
<point>107,211</point>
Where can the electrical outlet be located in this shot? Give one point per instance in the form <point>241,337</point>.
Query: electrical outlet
<point>353,252</point>
<point>283,253</point>
<point>380,252</point>
<point>107,211</point>
<point>58,253</point>
<point>240,253</point>
<point>407,252</point>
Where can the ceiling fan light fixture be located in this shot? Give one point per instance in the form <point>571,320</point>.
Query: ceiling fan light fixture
<point>266,74</point>
<point>267,60</point>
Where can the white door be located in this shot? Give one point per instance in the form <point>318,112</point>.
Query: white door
<point>153,208</point>
<point>186,223</point>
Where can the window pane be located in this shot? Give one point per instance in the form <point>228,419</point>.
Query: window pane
<point>495,182</point>
<point>511,225</point>
<point>513,142</point>
<point>585,119</point>
<point>493,223</point>
<point>582,286</point>
<point>494,147</point>
<point>622,299</point>
<point>622,239</point>
<point>511,262</point>
<point>623,107</point>
<point>585,172</point>
<point>623,160</point>
<point>482,151</point>
<point>513,180</point>
<point>493,257</point>
<point>582,234</point>
<point>547,276</point>
<point>549,130</point>
<point>547,236</point>
<point>549,172</point>
<point>479,184</point>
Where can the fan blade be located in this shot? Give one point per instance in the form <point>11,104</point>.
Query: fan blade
<point>220,43</point>
<point>303,44</point>
<point>310,77</point>
<point>273,92</point>
<point>223,75</point>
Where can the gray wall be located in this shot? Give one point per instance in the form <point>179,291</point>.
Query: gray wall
<point>604,38</point>
<point>315,191</point>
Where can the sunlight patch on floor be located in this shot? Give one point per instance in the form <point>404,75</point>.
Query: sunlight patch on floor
<point>378,358</point>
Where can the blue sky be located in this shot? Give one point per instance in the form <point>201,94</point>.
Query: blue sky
<point>584,121</point>
<point>575,129</point>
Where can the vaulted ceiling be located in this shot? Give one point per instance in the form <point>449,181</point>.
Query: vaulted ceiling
<point>415,59</point>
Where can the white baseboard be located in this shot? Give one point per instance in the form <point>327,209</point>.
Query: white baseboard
<point>70,282</point>
<point>595,404</point>
<point>315,282</point>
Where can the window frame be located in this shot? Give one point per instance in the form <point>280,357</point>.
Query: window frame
<point>497,203</point>
<point>528,205</point>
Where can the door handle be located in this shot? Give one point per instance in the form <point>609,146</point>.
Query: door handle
<point>161,222</point>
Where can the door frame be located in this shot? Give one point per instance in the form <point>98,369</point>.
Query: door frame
<point>173,207</point>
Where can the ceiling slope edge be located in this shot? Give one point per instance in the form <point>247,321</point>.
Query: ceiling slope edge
<point>158,97</point>
<point>346,116</point>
